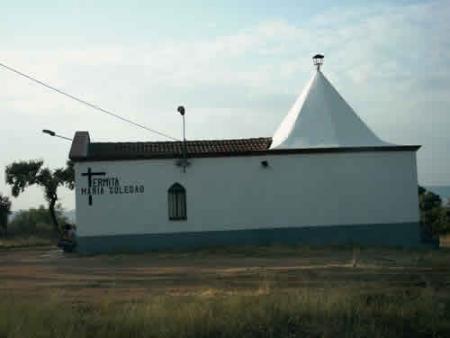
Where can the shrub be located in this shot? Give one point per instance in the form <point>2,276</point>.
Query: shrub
<point>35,222</point>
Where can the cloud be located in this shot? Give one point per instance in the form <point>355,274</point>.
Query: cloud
<point>391,63</point>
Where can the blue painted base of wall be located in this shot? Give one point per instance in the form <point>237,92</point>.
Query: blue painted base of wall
<point>397,235</point>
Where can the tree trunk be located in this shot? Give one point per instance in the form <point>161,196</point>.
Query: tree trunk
<point>3,224</point>
<point>51,209</point>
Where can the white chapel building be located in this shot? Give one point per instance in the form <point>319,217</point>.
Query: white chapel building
<point>323,178</point>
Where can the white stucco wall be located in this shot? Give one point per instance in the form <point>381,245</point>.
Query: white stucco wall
<point>238,193</point>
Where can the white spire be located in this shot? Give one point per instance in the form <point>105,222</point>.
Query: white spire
<point>321,118</point>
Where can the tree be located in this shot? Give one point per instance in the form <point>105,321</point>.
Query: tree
<point>21,175</point>
<point>433,215</point>
<point>5,210</point>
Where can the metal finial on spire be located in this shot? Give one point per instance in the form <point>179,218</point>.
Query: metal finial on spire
<point>318,60</point>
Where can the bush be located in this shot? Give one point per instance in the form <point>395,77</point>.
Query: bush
<point>35,222</point>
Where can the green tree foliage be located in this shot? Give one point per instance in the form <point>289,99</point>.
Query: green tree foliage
<point>434,216</point>
<point>5,210</point>
<point>21,175</point>
<point>35,222</point>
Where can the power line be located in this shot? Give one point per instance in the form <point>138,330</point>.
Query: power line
<point>91,105</point>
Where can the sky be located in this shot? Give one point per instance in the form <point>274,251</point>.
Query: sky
<point>237,67</point>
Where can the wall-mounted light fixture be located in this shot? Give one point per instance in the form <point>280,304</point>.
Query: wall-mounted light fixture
<point>52,133</point>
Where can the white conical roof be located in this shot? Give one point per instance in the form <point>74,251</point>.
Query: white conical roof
<point>320,118</point>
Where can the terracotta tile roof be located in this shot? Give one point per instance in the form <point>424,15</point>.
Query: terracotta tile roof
<point>84,150</point>
<point>175,149</point>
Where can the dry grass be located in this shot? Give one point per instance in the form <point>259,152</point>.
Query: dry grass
<point>300,313</point>
<point>227,292</point>
<point>20,242</point>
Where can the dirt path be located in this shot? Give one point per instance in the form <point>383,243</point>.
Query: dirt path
<point>30,271</point>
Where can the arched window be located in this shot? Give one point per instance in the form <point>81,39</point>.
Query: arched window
<point>177,202</point>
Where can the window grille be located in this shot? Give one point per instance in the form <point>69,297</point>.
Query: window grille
<point>177,202</point>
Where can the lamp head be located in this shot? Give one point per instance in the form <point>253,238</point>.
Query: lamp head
<point>49,132</point>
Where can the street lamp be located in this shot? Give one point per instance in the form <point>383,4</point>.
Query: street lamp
<point>52,133</point>
<point>183,162</point>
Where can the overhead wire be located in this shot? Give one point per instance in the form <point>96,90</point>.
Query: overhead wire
<point>91,105</point>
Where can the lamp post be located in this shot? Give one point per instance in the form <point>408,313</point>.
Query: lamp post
<point>184,162</point>
<point>182,111</point>
<point>52,133</point>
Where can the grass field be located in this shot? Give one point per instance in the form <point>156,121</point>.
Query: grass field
<point>226,292</point>
<point>23,242</point>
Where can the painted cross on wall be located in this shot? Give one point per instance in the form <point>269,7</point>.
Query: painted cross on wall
<point>89,175</point>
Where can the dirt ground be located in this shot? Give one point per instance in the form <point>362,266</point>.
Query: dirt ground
<point>30,271</point>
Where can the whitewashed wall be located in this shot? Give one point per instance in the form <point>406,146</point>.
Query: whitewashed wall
<point>238,193</point>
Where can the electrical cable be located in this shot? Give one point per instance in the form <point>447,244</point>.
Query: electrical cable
<point>91,105</point>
